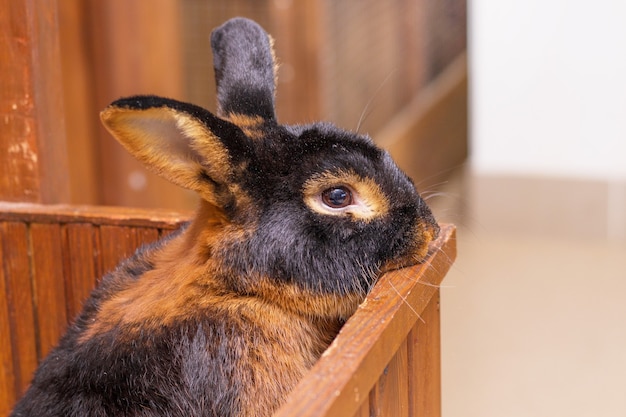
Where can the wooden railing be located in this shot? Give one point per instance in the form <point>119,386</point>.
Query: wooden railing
<point>384,362</point>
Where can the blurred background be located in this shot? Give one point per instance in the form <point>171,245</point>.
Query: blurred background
<point>533,313</point>
<point>360,64</point>
<point>509,115</point>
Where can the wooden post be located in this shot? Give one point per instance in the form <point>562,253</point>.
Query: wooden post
<point>33,154</point>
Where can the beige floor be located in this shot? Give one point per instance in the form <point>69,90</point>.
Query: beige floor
<point>534,310</point>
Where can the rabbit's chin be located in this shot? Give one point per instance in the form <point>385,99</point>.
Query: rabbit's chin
<point>406,261</point>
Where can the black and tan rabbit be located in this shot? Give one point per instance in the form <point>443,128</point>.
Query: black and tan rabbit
<point>225,316</point>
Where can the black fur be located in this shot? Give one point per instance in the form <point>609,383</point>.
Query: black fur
<point>236,348</point>
<point>244,69</point>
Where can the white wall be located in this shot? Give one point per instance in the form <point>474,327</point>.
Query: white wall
<point>549,87</point>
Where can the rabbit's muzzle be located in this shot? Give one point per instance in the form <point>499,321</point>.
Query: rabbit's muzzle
<point>417,252</point>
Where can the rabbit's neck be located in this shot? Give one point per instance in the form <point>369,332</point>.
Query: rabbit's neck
<point>211,232</point>
<point>187,280</point>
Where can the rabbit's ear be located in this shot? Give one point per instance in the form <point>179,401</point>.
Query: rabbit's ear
<point>245,71</point>
<point>183,143</point>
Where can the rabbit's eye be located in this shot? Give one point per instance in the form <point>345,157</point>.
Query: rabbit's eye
<point>337,197</point>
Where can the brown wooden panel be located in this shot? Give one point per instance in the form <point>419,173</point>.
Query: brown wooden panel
<point>81,268</point>
<point>116,243</point>
<point>7,370</point>
<point>390,392</point>
<point>33,155</point>
<point>297,28</point>
<point>48,284</point>
<point>136,49</point>
<point>96,215</point>
<point>364,410</point>
<point>20,299</point>
<point>81,115</point>
<point>145,235</point>
<point>424,343</point>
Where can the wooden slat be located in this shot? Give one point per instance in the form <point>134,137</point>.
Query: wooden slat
<point>83,124</point>
<point>297,27</point>
<point>96,215</point>
<point>364,410</point>
<point>424,366</point>
<point>33,155</point>
<point>7,370</point>
<point>392,397</point>
<point>337,384</point>
<point>81,270</point>
<point>20,299</point>
<point>117,243</point>
<point>145,235</point>
<point>136,49</point>
<point>48,284</point>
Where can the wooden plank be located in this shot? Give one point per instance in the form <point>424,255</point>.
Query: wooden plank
<point>48,284</point>
<point>297,28</point>
<point>8,392</point>
<point>392,397</point>
<point>83,123</point>
<point>20,301</point>
<point>136,48</point>
<point>95,215</point>
<point>146,235</point>
<point>369,339</point>
<point>364,410</point>
<point>33,155</point>
<point>424,342</point>
<point>81,269</point>
<point>116,243</point>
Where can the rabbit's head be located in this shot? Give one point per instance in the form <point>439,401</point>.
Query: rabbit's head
<point>309,209</point>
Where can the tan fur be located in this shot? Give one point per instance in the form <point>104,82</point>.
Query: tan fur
<point>158,137</point>
<point>374,205</point>
<point>274,59</point>
<point>183,283</point>
<point>250,125</point>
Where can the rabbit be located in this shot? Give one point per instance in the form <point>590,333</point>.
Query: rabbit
<point>223,317</point>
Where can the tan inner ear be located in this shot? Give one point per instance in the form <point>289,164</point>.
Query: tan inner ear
<point>172,144</point>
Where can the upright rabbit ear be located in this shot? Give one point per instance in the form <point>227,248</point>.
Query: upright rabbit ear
<point>183,143</point>
<point>245,71</point>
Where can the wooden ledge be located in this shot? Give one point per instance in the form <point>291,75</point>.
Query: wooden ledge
<point>341,380</point>
<point>97,215</point>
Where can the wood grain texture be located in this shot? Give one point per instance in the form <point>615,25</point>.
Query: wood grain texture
<point>390,396</point>
<point>52,257</point>
<point>7,370</point>
<point>95,215</point>
<point>48,288</point>
<point>424,366</point>
<point>15,262</point>
<point>33,155</point>
<point>338,383</point>
<point>80,265</point>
